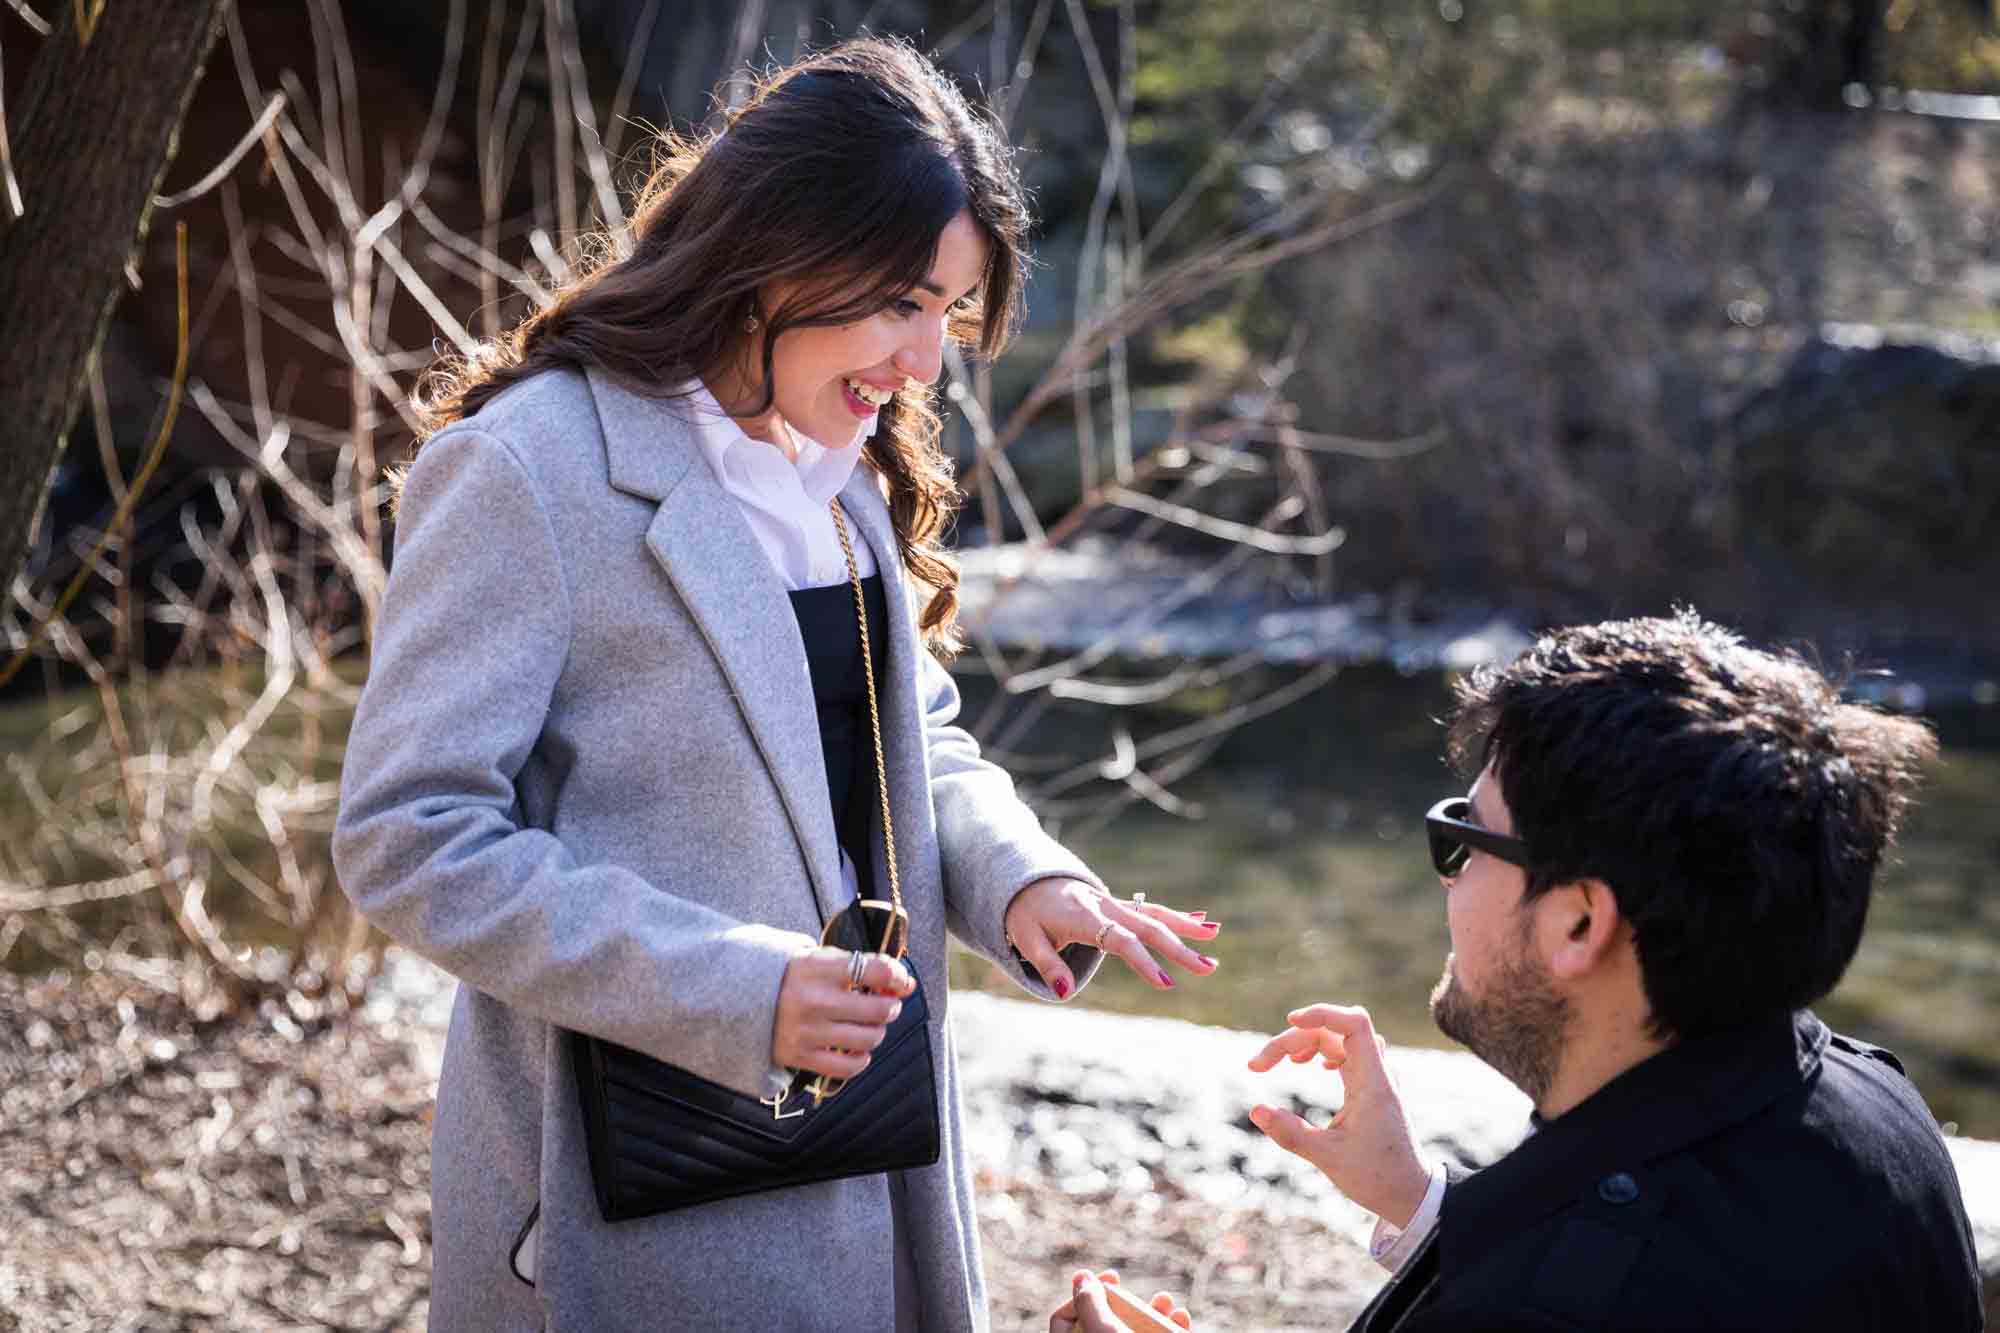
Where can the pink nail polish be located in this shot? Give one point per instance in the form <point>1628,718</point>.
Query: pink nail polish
<point>1197,914</point>
<point>1166,981</point>
<point>1061,988</point>
<point>1206,960</point>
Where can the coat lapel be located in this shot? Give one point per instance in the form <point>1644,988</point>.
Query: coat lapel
<point>737,602</point>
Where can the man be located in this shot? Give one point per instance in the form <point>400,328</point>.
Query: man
<point>1666,856</point>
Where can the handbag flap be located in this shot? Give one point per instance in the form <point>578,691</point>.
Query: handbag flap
<point>643,1076</point>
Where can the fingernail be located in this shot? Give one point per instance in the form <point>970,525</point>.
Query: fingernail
<point>1166,981</point>
<point>1061,988</point>
<point>895,1012</point>
<point>1206,960</point>
<point>1197,914</point>
<point>1211,925</point>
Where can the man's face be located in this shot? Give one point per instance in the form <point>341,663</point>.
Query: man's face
<point>1496,996</point>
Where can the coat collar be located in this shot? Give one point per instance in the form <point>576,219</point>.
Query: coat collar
<point>744,613</point>
<point>648,443</point>
<point>1687,1093</point>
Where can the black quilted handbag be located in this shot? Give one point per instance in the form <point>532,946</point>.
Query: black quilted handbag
<point>660,1138</point>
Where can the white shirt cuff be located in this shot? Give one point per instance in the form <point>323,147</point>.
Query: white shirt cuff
<point>1391,1246</point>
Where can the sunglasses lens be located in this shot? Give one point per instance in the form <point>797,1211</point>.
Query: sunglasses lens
<point>1448,855</point>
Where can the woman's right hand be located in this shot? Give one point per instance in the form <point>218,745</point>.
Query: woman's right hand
<point>827,1028</point>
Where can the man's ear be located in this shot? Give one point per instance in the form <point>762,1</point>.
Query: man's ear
<point>1580,927</point>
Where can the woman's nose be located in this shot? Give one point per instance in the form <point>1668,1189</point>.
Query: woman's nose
<point>922,357</point>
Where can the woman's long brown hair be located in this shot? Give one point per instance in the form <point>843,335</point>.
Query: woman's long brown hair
<point>839,174</point>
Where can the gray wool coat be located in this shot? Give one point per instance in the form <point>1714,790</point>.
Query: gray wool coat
<point>585,778</point>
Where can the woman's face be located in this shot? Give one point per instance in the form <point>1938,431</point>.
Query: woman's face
<point>831,380</point>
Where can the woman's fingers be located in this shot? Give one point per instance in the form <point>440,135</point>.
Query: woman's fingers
<point>1188,925</point>
<point>833,1063</point>
<point>825,1024</point>
<point>853,1037</point>
<point>1056,912</point>
<point>883,974</point>
<point>834,968</point>
<point>1119,940</point>
<point>1033,944</point>
<point>1155,927</point>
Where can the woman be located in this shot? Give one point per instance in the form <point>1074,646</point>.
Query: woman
<point>596,771</point>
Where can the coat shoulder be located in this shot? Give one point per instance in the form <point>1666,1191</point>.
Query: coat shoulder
<point>548,422</point>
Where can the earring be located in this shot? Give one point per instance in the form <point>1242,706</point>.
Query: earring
<point>749,323</point>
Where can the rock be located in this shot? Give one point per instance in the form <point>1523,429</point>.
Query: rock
<point>1873,455</point>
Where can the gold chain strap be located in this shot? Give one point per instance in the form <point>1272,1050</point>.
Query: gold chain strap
<point>874,714</point>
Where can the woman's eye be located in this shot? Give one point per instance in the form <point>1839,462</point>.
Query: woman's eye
<point>907,308</point>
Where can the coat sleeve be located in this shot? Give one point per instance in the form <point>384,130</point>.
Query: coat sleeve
<point>990,844</point>
<point>430,842</point>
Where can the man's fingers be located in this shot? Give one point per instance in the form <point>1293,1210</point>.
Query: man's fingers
<point>1300,1045</point>
<point>1292,1133</point>
<point>1364,1049</point>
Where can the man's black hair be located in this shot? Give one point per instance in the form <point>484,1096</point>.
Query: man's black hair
<point>1733,803</point>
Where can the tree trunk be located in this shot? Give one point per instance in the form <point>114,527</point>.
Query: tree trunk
<point>93,131</point>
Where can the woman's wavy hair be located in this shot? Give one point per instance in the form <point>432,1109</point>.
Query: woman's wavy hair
<point>838,174</point>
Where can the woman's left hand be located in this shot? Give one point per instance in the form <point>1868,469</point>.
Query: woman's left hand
<point>1051,914</point>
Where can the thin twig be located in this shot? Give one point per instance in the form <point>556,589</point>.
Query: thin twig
<point>272,109</point>
<point>30,17</point>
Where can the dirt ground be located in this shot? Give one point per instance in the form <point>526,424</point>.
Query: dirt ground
<point>272,1172</point>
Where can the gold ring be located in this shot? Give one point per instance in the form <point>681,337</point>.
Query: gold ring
<point>1102,931</point>
<point>857,963</point>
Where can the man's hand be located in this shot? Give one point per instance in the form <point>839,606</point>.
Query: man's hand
<point>1366,1150</point>
<point>1089,1308</point>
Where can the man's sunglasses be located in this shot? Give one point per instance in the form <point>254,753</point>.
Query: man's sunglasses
<point>1453,837</point>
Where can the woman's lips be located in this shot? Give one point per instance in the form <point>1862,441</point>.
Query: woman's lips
<point>856,404</point>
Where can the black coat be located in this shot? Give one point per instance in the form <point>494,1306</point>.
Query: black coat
<point>1774,1177</point>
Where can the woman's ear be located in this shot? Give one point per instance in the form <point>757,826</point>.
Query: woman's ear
<point>1583,927</point>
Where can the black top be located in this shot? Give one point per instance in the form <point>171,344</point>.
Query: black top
<point>1778,1176</point>
<point>832,637</point>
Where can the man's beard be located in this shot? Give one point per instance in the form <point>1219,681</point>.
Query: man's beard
<point>1517,1026</point>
